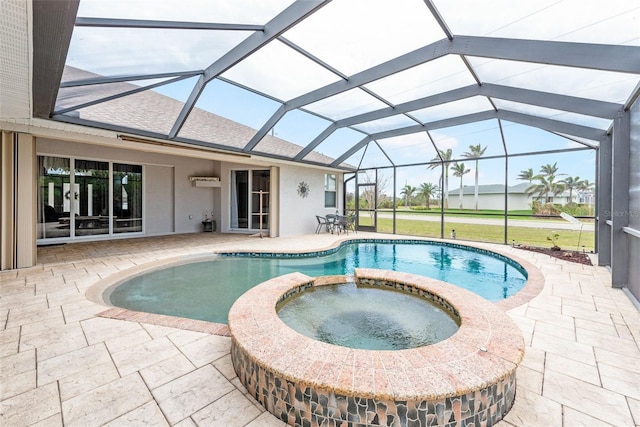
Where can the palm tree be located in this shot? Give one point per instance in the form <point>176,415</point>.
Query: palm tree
<point>444,156</point>
<point>407,191</point>
<point>427,190</point>
<point>459,170</point>
<point>585,188</point>
<point>526,175</point>
<point>549,170</point>
<point>571,183</point>
<point>544,186</point>
<point>546,177</point>
<point>475,152</point>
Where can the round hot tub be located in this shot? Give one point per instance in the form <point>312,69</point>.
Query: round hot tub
<point>367,317</point>
<point>467,378</point>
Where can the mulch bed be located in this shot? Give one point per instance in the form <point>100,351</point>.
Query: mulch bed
<point>571,256</point>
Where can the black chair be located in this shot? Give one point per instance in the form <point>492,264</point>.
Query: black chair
<point>332,222</point>
<point>322,222</point>
<point>342,224</point>
<point>351,223</point>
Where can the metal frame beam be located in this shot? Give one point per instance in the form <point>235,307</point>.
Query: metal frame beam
<point>209,146</point>
<point>602,109</point>
<point>603,202</point>
<point>615,58</point>
<point>167,25</point>
<point>620,180</point>
<point>128,78</point>
<point>551,125</point>
<point>279,24</point>
<point>119,95</point>
<point>351,151</point>
<point>52,30</point>
<point>625,59</point>
<point>539,122</point>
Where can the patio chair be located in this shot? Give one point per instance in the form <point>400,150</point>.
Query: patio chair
<point>322,222</point>
<point>332,222</point>
<point>342,224</point>
<point>351,223</point>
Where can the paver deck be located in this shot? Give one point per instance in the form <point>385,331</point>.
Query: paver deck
<point>62,365</point>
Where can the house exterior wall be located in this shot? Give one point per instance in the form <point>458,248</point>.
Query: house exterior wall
<point>491,201</point>
<point>495,201</point>
<point>172,204</point>
<point>298,214</point>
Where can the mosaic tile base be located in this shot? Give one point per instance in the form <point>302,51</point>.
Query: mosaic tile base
<point>302,405</point>
<point>468,379</point>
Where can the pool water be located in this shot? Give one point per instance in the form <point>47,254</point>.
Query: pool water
<point>207,290</point>
<point>367,318</point>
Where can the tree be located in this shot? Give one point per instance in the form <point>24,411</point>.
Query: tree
<point>427,189</point>
<point>544,187</point>
<point>549,170</point>
<point>407,191</point>
<point>546,183</point>
<point>571,183</point>
<point>443,157</point>
<point>526,175</point>
<point>460,171</point>
<point>585,189</point>
<point>475,152</point>
<point>367,196</point>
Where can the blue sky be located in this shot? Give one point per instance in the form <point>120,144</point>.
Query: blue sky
<point>353,45</point>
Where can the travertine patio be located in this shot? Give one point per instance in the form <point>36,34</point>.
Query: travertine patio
<point>63,365</point>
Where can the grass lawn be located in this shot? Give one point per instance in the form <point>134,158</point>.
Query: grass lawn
<point>485,213</point>
<point>567,240</point>
<point>522,215</point>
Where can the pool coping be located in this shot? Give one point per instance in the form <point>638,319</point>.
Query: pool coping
<point>477,363</point>
<point>97,292</point>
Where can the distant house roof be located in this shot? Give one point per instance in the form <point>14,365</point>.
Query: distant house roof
<point>156,113</point>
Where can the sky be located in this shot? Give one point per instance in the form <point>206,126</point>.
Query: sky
<point>354,35</point>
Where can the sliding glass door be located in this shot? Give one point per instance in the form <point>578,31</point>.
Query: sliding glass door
<point>260,200</point>
<point>249,207</point>
<point>54,197</point>
<point>91,198</point>
<point>79,198</point>
<point>127,198</point>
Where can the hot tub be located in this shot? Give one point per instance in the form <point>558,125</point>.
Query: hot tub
<point>467,378</point>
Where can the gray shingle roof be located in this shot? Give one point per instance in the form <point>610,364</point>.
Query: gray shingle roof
<point>153,112</point>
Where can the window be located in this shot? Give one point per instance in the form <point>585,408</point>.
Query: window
<point>330,194</point>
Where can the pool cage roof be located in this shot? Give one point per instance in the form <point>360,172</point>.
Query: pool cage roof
<point>347,83</point>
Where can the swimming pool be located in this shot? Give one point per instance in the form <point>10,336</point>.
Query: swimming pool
<point>206,290</point>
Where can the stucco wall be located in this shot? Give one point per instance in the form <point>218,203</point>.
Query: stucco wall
<point>297,214</point>
<point>174,197</point>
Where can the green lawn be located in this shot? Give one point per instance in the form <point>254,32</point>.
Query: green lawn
<point>568,239</point>
<point>523,215</point>
<point>464,213</point>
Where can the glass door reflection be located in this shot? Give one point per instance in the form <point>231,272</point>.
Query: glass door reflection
<point>90,198</point>
<point>54,197</point>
